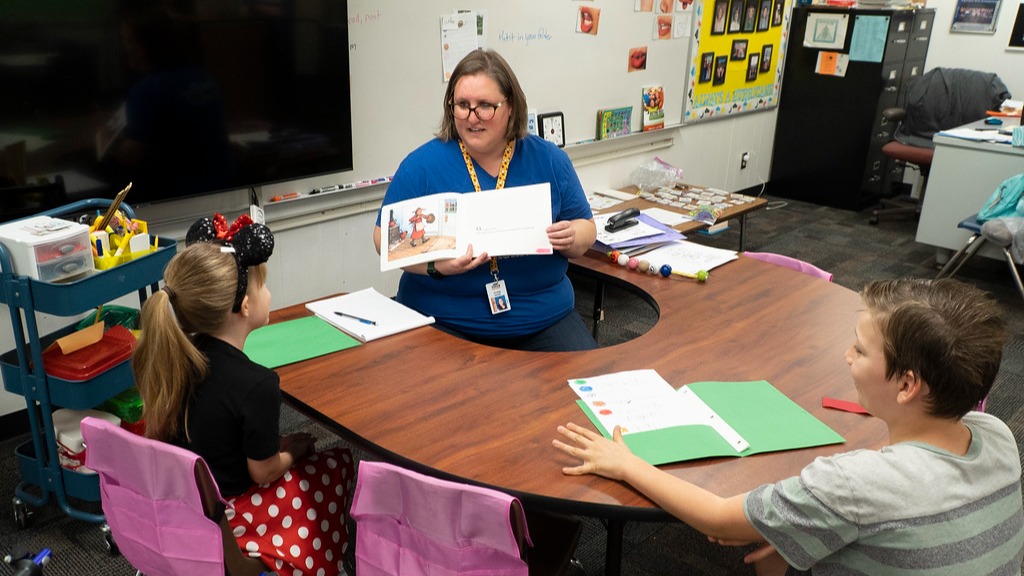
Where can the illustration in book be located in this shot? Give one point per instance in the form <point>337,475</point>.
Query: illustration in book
<point>510,221</point>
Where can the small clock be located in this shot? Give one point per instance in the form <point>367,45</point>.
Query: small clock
<point>552,128</point>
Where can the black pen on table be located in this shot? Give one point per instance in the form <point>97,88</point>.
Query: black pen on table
<point>363,320</point>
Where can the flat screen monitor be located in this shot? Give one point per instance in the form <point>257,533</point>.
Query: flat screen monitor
<point>178,97</point>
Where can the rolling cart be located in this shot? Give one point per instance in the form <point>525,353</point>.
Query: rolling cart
<point>23,373</point>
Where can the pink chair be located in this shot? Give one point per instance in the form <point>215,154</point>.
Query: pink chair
<point>788,262</point>
<point>162,505</point>
<point>410,524</point>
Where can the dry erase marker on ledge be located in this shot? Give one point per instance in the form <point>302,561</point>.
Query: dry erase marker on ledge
<point>332,188</point>
<point>287,196</point>
<point>363,320</point>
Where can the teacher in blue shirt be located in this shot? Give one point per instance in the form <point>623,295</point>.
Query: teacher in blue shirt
<point>483,144</point>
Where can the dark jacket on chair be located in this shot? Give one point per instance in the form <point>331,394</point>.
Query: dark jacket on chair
<point>945,98</point>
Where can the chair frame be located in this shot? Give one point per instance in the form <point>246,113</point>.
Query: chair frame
<point>908,205</point>
<point>974,243</point>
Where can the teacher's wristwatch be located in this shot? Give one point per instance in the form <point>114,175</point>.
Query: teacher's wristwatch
<point>432,272</point>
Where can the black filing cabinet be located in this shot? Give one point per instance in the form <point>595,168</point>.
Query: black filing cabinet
<point>830,131</point>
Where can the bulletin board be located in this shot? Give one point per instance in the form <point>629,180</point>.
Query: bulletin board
<point>397,79</point>
<point>735,55</point>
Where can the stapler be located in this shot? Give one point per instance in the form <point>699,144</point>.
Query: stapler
<point>622,220</point>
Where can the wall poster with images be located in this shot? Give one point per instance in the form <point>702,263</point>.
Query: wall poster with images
<point>736,57</point>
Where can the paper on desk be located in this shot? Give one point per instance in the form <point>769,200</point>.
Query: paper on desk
<point>688,257</point>
<point>978,135</point>
<point>642,229</point>
<point>666,217</point>
<point>755,411</point>
<point>387,316</point>
<point>291,341</point>
<point>642,401</point>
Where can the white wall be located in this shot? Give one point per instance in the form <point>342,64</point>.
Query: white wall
<point>324,244</point>
<point>985,52</point>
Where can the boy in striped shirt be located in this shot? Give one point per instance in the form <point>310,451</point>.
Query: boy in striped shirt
<point>943,497</point>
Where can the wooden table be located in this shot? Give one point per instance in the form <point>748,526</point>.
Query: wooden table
<point>738,212</point>
<point>463,411</point>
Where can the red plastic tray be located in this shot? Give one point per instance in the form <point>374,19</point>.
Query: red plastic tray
<point>115,347</point>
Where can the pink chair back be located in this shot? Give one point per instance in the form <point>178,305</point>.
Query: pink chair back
<point>788,262</point>
<point>152,502</point>
<point>410,524</point>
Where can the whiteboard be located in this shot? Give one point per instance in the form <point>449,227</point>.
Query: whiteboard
<point>398,85</point>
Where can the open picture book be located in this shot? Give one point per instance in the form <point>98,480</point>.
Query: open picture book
<point>506,222</point>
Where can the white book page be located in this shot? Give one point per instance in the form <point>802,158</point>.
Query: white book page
<point>510,221</point>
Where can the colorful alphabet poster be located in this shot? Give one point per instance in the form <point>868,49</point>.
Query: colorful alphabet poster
<point>736,57</point>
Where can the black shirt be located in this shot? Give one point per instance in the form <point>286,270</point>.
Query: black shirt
<point>233,415</point>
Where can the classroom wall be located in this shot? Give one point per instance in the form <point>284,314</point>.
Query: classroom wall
<point>324,244</point>
<point>985,52</point>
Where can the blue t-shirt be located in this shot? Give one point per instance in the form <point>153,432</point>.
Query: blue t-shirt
<point>539,293</point>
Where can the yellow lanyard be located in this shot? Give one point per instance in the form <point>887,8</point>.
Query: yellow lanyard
<point>506,159</point>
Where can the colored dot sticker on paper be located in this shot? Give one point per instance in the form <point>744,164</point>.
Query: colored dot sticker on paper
<point>586,388</point>
<point>606,412</point>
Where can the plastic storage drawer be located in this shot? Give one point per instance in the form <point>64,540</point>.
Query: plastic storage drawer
<point>77,296</point>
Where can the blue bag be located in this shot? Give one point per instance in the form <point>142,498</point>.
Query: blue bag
<point>1006,202</point>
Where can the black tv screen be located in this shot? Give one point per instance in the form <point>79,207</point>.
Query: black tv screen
<point>178,97</point>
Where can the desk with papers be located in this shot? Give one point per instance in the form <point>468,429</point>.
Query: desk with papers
<point>685,206</point>
<point>964,174</point>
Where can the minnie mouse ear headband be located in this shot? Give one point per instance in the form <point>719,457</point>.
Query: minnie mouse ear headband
<point>249,242</point>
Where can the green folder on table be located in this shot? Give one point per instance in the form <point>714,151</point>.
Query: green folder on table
<point>766,418</point>
<point>295,340</point>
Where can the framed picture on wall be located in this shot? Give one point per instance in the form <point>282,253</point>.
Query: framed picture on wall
<point>753,66</point>
<point>766,57</point>
<point>735,16</point>
<point>977,16</point>
<point>721,14</point>
<point>764,15</point>
<point>739,50</point>
<point>777,12</point>
<point>749,15</point>
<point>1017,35</point>
<point>707,64</point>
<point>720,64</point>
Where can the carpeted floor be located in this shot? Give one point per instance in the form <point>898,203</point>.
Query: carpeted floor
<point>839,241</point>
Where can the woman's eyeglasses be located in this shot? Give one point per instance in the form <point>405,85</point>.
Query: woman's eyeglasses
<point>484,110</point>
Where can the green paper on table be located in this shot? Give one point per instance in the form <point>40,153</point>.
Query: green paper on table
<point>295,340</point>
<point>765,417</point>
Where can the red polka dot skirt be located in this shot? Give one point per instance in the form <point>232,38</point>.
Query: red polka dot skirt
<point>296,525</point>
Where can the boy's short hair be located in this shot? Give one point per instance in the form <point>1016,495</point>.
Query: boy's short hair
<point>950,334</point>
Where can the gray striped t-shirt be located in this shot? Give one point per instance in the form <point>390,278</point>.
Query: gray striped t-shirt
<point>906,509</point>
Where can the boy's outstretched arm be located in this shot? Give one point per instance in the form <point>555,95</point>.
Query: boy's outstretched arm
<point>719,518</point>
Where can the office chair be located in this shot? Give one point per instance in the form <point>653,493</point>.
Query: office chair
<point>940,99</point>
<point>162,506</point>
<point>789,262</point>
<point>411,524</point>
